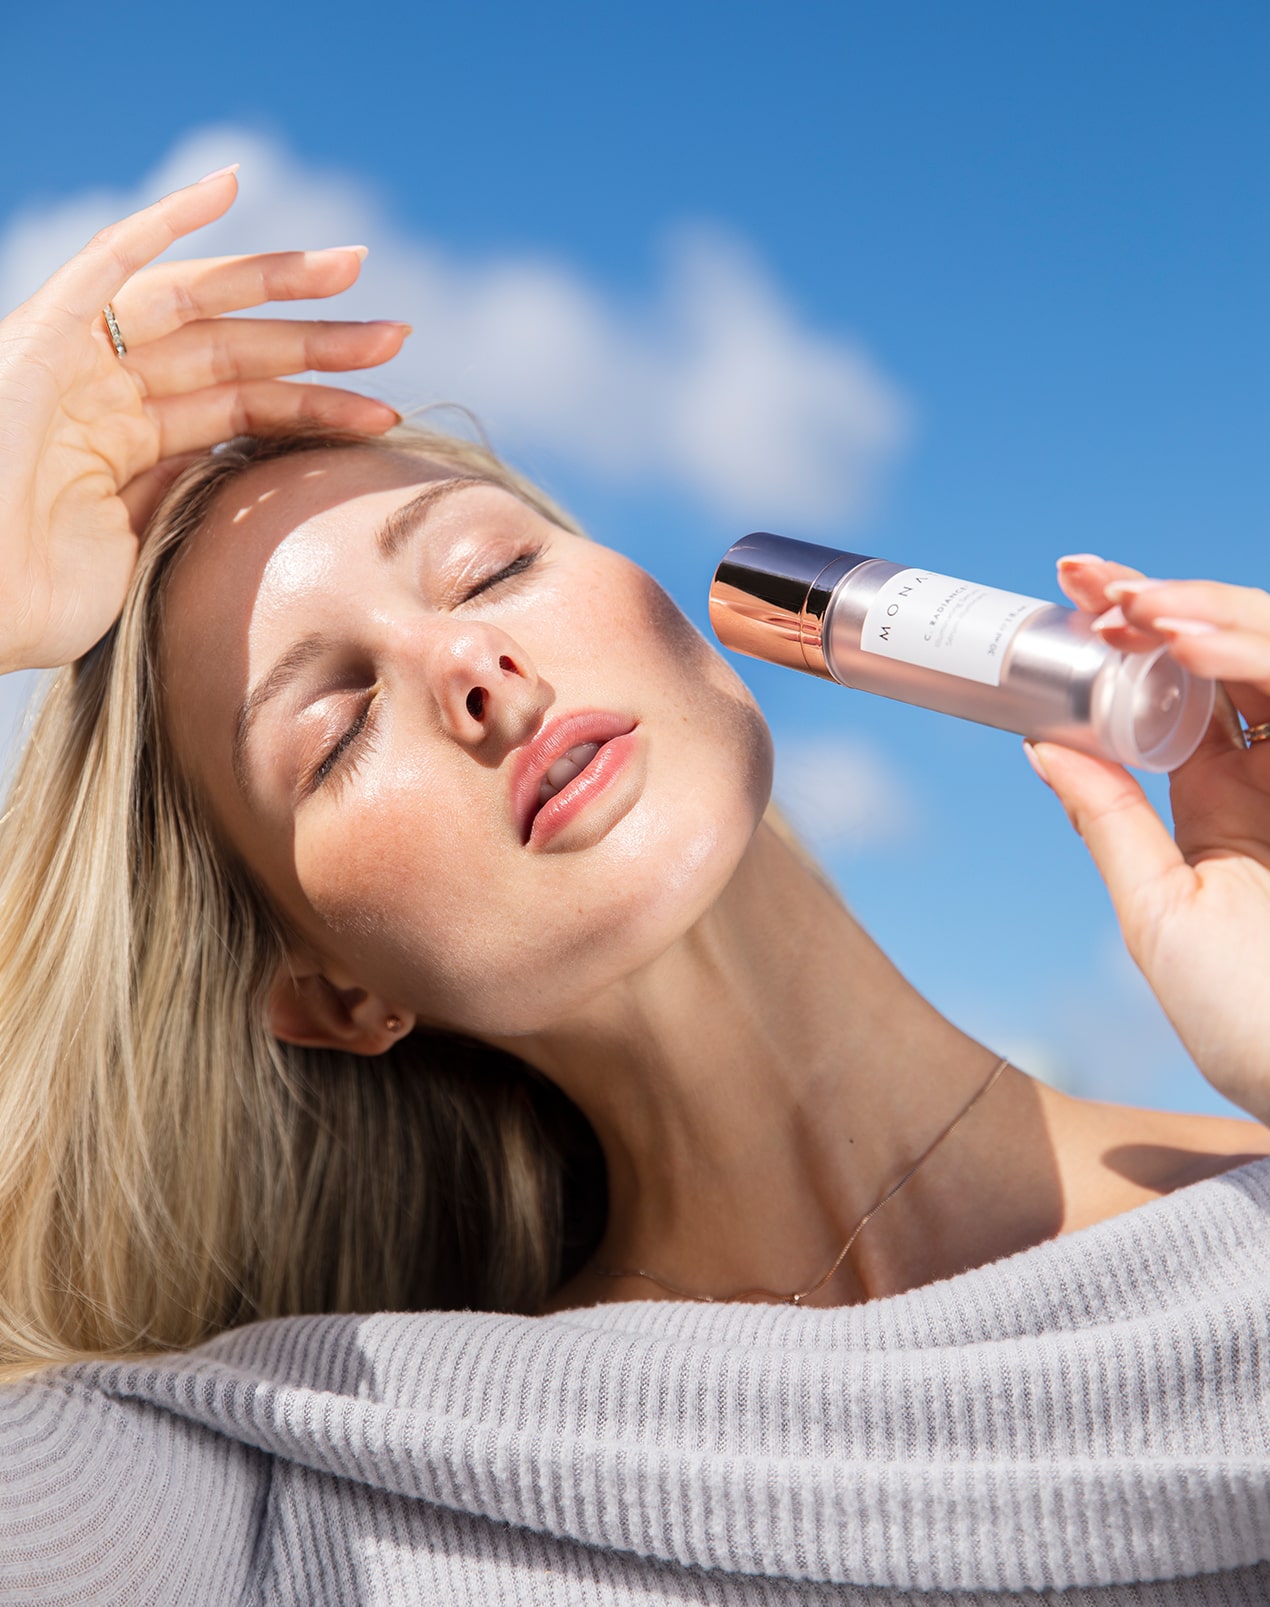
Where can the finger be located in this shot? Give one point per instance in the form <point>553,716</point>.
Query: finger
<point>97,273</point>
<point>1241,660</point>
<point>201,419</point>
<point>224,349</point>
<point>1128,842</point>
<point>170,294</point>
<point>1084,578</point>
<point>1117,632</point>
<point>1232,656</point>
<point>1211,629</point>
<point>1144,602</point>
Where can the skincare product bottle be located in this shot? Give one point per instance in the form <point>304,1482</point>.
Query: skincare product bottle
<point>1002,659</point>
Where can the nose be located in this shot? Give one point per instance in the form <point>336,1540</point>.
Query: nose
<point>489,694</point>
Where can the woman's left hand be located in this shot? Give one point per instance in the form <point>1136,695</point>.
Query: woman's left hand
<point>1194,907</point>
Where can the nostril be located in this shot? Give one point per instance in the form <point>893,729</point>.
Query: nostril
<point>506,664</point>
<point>476,702</point>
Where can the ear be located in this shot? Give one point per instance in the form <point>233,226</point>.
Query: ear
<point>306,1008</point>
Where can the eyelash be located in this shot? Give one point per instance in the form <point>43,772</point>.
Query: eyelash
<point>509,572</point>
<point>342,762</point>
<point>339,762</point>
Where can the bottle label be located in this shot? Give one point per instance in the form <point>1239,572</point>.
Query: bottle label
<point>945,624</point>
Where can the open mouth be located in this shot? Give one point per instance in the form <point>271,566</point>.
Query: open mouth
<point>563,766</point>
<point>564,769</point>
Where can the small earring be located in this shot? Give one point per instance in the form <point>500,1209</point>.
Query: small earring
<point>393,1024</point>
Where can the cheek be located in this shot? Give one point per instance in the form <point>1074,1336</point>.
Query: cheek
<point>713,699</point>
<point>420,897</point>
<point>663,618</point>
<point>396,875</point>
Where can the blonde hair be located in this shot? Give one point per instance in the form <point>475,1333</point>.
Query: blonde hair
<point>167,1167</point>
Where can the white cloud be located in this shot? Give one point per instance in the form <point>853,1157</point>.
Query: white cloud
<point>840,793</point>
<point>712,384</point>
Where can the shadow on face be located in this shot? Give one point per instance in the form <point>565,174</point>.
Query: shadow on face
<point>402,869</point>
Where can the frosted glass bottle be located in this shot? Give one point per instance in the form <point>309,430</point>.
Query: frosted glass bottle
<point>997,657</point>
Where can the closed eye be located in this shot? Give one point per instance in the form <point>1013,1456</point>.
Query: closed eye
<point>343,758</point>
<point>346,753</point>
<point>518,566</point>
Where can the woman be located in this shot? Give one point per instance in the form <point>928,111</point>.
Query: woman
<point>392,918</point>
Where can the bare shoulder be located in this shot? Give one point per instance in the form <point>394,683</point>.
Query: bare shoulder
<point>1167,1150</point>
<point>1113,1157</point>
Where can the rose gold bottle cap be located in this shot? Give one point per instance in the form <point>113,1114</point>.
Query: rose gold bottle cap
<point>770,595</point>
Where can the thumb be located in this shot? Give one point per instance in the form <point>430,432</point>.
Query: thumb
<point>1128,842</point>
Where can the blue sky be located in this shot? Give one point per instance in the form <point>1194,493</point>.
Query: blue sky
<point>967,286</point>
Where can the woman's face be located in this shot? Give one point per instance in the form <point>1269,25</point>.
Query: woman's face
<point>379,675</point>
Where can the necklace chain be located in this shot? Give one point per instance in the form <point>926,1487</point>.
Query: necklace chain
<point>801,1295</point>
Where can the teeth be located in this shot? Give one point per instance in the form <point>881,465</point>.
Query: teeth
<point>565,768</point>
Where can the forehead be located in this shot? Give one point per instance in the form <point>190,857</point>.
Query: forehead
<point>318,490</point>
<point>323,499</point>
<point>239,568</point>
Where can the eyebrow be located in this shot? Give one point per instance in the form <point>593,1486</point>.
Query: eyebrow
<point>397,529</point>
<point>405,521</point>
<point>284,673</point>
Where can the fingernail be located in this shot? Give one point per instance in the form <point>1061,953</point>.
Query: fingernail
<point>1112,620</point>
<point>1034,759</point>
<point>390,323</point>
<point>220,173</point>
<point>1081,558</point>
<point>1117,590</point>
<point>1184,627</point>
<point>361,253</point>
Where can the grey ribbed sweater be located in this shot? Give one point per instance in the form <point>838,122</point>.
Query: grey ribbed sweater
<point>1077,1420</point>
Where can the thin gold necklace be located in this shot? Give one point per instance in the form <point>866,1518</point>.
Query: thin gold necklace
<point>801,1295</point>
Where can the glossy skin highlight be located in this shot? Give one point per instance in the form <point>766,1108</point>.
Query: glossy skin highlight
<point>398,861</point>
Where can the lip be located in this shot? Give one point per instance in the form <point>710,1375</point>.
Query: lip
<point>553,741</point>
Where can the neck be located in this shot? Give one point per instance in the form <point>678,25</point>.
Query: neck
<point>756,1090</point>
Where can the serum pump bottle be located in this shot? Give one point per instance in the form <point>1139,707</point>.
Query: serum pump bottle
<point>1002,659</point>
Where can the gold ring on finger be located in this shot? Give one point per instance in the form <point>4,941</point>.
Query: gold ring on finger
<point>112,326</point>
<point>1257,733</point>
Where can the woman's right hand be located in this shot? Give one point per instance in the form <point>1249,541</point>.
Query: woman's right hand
<point>89,441</point>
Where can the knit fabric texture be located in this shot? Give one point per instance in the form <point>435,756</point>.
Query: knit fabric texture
<point>1086,1423</point>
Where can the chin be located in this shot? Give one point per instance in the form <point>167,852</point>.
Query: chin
<point>681,862</point>
<point>696,837</point>
<point>662,869</point>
